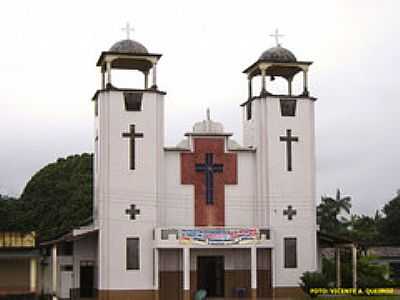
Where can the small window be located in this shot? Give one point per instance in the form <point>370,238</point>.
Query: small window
<point>66,249</point>
<point>133,101</point>
<point>66,268</point>
<point>290,245</point>
<point>288,107</point>
<point>248,110</point>
<point>132,254</point>
<point>394,270</point>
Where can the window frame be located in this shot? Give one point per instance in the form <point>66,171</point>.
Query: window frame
<point>285,262</point>
<point>282,103</point>
<point>129,268</point>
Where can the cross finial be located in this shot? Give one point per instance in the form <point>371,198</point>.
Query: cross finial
<point>208,114</point>
<point>128,30</point>
<point>276,36</point>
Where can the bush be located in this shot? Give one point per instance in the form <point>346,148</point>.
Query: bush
<point>313,280</point>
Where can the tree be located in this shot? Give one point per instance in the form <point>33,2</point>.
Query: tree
<point>328,214</point>
<point>10,214</point>
<point>364,230</point>
<point>389,225</point>
<point>58,197</point>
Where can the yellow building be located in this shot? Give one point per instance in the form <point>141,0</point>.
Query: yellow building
<point>19,257</point>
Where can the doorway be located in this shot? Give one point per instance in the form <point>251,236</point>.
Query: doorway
<point>86,280</point>
<point>210,275</point>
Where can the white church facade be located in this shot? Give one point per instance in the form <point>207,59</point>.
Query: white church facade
<point>231,219</point>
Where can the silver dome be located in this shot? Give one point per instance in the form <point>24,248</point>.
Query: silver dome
<point>129,46</point>
<point>278,54</point>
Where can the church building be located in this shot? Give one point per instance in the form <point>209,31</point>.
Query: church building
<point>233,219</point>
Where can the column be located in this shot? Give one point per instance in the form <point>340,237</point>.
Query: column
<point>108,66</point>
<point>33,275</point>
<point>338,273</point>
<point>186,273</point>
<point>146,80</point>
<point>263,83</point>
<point>354,262</point>
<point>154,86</point>
<point>54,270</point>
<point>250,88</point>
<point>305,83</point>
<point>156,274</point>
<point>253,253</point>
<point>290,80</point>
<point>103,79</point>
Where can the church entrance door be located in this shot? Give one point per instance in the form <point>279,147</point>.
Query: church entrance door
<point>86,280</point>
<point>210,275</point>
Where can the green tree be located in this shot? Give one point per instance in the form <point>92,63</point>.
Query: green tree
<point>364,230</point>
<point>328,214</point>
<point>10,214</point>
<point>389,224</point>
<point>58,197</point>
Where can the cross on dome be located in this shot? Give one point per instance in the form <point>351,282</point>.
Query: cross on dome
<point>208,114</point>
<point>276,36</point>
<point>128,30</point>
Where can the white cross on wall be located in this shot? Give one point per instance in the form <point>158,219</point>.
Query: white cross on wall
<point>276,36</point>
<point>128,30</point>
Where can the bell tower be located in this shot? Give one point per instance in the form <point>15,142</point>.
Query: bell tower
<point>281,129</point>
<point>129,140</point>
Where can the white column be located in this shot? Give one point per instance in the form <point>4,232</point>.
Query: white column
<point>54,270</point>
<point>290,86</point>
<point>146,79</point>
<point>263,83</point>
<point>155,76</point>
<point>186,269</point>
<point>108,66</point>
<point>253,268</point>
<point>33,275</point>
<point>103,80</point>
<point>338,273</point>
<point>305,82</point>
<point>354,261</point>
<point>156,269</point>
<point>250,88</point>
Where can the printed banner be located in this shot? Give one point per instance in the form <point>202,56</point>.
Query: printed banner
<point>218,236</point>
<point>17,240</point>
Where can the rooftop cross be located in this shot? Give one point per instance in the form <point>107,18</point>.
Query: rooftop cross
<point>128,30</point>
<point>208,114</point>
<point>276,36</point>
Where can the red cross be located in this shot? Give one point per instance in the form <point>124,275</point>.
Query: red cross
<point>209,213</point>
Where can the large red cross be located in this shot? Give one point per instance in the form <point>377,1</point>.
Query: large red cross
<point>209,168</point>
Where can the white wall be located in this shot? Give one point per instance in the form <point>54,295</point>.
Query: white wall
<point>119,187</point>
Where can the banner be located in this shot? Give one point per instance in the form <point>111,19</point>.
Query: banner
<point>17,240</point>
<point>218,236</point>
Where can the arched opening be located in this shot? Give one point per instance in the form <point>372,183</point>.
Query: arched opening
<point>132,79</point>
<point>297,84</point>
<point>277,85</point>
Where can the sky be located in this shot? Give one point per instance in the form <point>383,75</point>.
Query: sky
<point>48,75</point>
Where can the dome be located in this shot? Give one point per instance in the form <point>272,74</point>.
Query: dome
<point>278,54</point>
<point>129,46</point>
<point>208,126</point>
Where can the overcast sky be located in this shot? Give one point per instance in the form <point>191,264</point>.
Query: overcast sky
<point>48,75</point>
